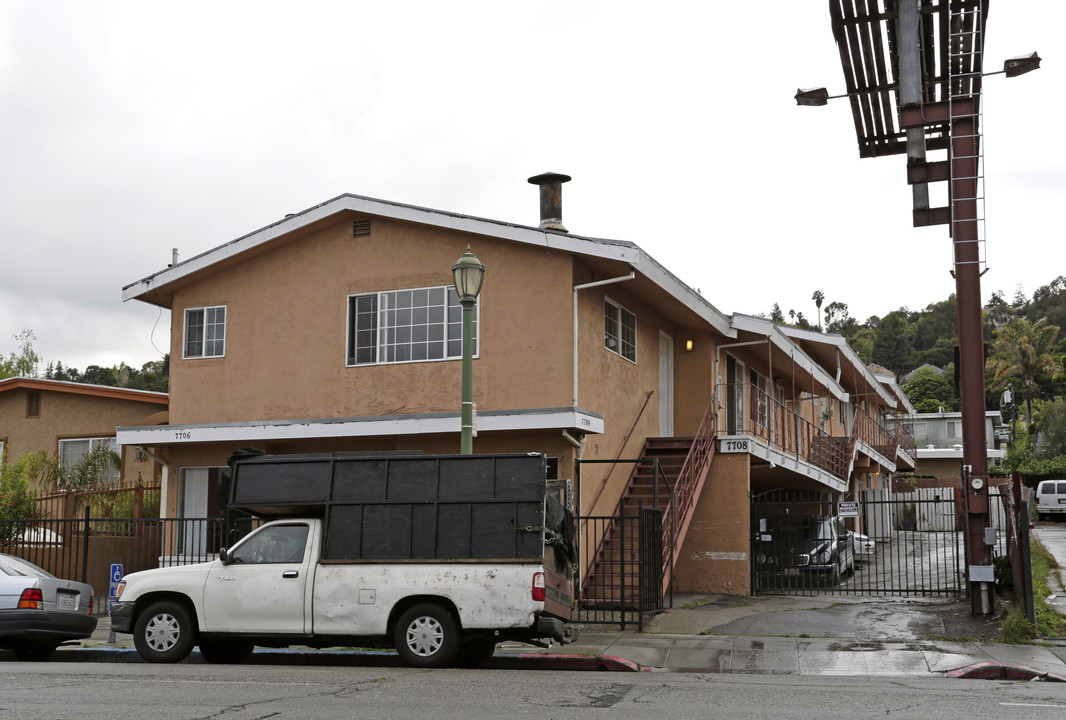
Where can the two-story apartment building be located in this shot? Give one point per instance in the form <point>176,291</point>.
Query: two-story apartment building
<point>337,329</point>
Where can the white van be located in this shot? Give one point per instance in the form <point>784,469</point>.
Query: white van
<point>1051,498</point>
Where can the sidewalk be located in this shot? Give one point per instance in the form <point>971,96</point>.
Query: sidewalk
<point>726,634</point>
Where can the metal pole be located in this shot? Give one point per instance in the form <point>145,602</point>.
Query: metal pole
<point>467,441</point>
<point>964,226</point>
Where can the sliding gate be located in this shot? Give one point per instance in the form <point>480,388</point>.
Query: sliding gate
<point>909,544</point>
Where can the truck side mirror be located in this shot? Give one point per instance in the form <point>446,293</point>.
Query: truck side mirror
<point>223,555</point>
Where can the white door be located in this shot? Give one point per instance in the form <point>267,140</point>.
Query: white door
<point>194,488</point>
<point>666,385</point>
<point>263,589</point>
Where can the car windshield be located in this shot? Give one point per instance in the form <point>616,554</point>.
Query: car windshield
<point>808,528</point>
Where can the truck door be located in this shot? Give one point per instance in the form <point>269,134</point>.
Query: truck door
<point>263,588</point>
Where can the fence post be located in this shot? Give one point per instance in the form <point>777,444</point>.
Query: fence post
<point>138,500</point>
<point>85,547</point>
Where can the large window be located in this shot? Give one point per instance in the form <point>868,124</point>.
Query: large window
<point>619,330</point>
<point>407,326</point>
<point>205,332</point>
<point>72,451</point>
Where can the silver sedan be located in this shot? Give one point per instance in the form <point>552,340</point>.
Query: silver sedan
<point>38,611</point>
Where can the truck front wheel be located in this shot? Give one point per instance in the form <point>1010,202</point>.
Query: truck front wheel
<point>164,632</point>
<point>427,636</point>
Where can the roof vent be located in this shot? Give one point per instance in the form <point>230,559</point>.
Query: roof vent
<point>551,199</point>
<point>361,228</point>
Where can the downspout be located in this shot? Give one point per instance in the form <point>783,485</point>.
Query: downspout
<point>632,274</point>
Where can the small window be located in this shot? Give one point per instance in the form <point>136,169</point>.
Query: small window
<point>205,332</point>
<point>619,330</point>
<point>954,429</point>
<point>33,404</point>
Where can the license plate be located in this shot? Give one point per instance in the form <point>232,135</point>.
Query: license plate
<point>792,571</point>
<point>67,601</point>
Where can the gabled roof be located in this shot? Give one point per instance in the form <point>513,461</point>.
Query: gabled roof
<point>762,326</point>
<point>617,250</point>
<point>844,350</point>
<point>16,383</point>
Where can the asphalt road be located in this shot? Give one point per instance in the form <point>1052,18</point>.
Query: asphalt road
<point>59,691</point>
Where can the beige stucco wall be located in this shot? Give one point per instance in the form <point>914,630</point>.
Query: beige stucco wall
<point>716,555</point>
<point>72,415</point>
<point>286,328</point>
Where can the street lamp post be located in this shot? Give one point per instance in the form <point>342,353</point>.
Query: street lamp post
<point>468,274</point>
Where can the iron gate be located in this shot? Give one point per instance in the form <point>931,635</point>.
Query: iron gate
<point>907,544</point>
<point>622,564</point>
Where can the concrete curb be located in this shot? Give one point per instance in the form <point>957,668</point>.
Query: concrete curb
<point>505,661</point>
<point>1003,671</point>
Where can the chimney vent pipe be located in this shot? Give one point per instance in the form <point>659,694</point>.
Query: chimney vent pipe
<point>551,199</point>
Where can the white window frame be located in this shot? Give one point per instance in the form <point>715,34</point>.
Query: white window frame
<point>615,330</point>
<point>68,462</point>
<point>954,430</point>
<point>404,332</point>
<point>216,341</point>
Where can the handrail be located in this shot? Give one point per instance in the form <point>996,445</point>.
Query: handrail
<point>686,491</point>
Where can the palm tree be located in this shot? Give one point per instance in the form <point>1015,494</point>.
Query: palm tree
<point>1022,349</point>
<point>818,297</point>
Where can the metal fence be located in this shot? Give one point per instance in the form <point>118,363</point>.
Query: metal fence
<point>915,545</point>
<point>86,548</point>
<point>623,560</point>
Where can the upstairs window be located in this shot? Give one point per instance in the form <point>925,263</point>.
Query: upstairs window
<point>205,332</point>
<point>619,330</point>
<point>407,326</point>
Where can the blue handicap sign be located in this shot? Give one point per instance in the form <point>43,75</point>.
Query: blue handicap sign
<point>116,577</point>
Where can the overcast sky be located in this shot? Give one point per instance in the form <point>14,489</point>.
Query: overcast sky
<point>130,128</point>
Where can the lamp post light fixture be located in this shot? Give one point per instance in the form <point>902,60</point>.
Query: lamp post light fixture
<point>468,274</point>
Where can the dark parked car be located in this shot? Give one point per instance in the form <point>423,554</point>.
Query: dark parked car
<point>38,611</point>
<point>805,546</point>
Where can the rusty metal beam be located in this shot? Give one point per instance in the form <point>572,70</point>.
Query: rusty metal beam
<point>932,216</point>
<point>922,171</point>
<point>936,113</point>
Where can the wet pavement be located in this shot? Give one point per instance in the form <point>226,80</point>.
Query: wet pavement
<point>789,635</point>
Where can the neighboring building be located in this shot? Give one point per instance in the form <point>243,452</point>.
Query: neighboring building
<point>939,440</point>
<point>69,419</point>
<point>336,329</point>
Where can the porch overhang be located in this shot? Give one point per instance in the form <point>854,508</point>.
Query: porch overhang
<point>781,460</point>
<point>572,419</point>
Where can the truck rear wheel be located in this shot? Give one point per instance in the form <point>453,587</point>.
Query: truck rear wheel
<point>427,636</point>
<point>164,632</point>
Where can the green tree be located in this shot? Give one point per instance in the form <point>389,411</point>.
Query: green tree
<point>776,316</point>
<point>1051,431</point>
<point>1022,349</point>
<point>836,317</point>
<point>819,298</point>
<point>929,390</point>
<point>892,346</point>
<point>25,363</point>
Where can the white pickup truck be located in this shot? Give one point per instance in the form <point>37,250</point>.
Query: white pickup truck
<point>319,582</point>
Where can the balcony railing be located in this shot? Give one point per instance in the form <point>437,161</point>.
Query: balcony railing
<point>782,429</point>
<point>874,434</point>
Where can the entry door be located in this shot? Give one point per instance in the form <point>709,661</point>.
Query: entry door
<point>734,377</point>
<point>193,489</point>
<point>666,385</point>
